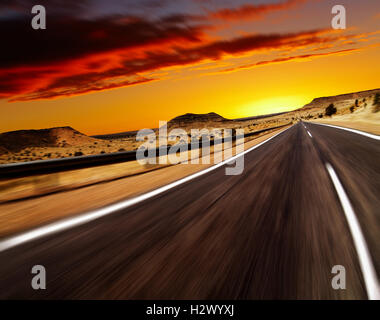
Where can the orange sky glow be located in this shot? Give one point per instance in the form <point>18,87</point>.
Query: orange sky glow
<point>119,73</point>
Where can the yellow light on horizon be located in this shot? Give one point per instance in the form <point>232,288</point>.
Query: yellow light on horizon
<point>272,105</point>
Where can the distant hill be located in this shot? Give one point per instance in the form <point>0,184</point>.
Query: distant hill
<point>120,135</point>
<point>261,117</point>
<point>324,101</point>
<point>196,119</point>
<point>14,141</point>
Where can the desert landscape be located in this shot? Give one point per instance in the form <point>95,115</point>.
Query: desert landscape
<point>358,110</point>
<point>108,183</point>
<point>124,173</point>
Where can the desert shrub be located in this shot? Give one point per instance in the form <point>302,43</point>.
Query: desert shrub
<point>102,152</point>
<point>356,103</point>
<point>330,110</point>
<point>320,115</point>
<point>352,108</point>
<point>78,154</point>
<point>121,150</point>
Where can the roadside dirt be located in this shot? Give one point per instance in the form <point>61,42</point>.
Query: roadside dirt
<point>21,215</point>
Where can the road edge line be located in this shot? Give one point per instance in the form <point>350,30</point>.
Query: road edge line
<point>67,223</point>
<point>366,265</point>
<point>366,134</point>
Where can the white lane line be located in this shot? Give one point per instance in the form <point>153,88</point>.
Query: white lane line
<point>309,134</point>
<point>366,134</point>
<point>366,265</point>
<point>68,223</point>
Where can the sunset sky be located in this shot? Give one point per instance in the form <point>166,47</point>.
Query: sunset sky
<point>119,65</point>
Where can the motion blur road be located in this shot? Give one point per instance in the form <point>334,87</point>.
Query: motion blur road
<point>274,232</point>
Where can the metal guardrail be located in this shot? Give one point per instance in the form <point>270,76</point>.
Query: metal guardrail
<point>23,169</point>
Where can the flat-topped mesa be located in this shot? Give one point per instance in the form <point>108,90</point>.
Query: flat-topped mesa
<point>14,141</point>
<point>194,119</point>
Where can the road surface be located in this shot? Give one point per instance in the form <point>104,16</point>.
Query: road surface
<point>274,232</point>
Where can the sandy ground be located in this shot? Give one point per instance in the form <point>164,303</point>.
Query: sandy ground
<point>32,186</point>
<point>93,146</point>
<point>363,119</point>
<point>20,215</point>
<point>26,187</point>
<point>358,125</point>
<point>44,153</point>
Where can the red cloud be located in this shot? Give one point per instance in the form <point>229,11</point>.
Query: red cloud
<point>83,88</point>
<point>77,56</point>
<point>249,11</point>
<point>125,67</point>
<point>287,59</point>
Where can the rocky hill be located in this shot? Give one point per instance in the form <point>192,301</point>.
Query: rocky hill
<point>14,141</point>
<point>197,120</point>
<point>325,101</point>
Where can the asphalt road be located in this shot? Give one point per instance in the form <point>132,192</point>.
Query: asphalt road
<point>274,232</point>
